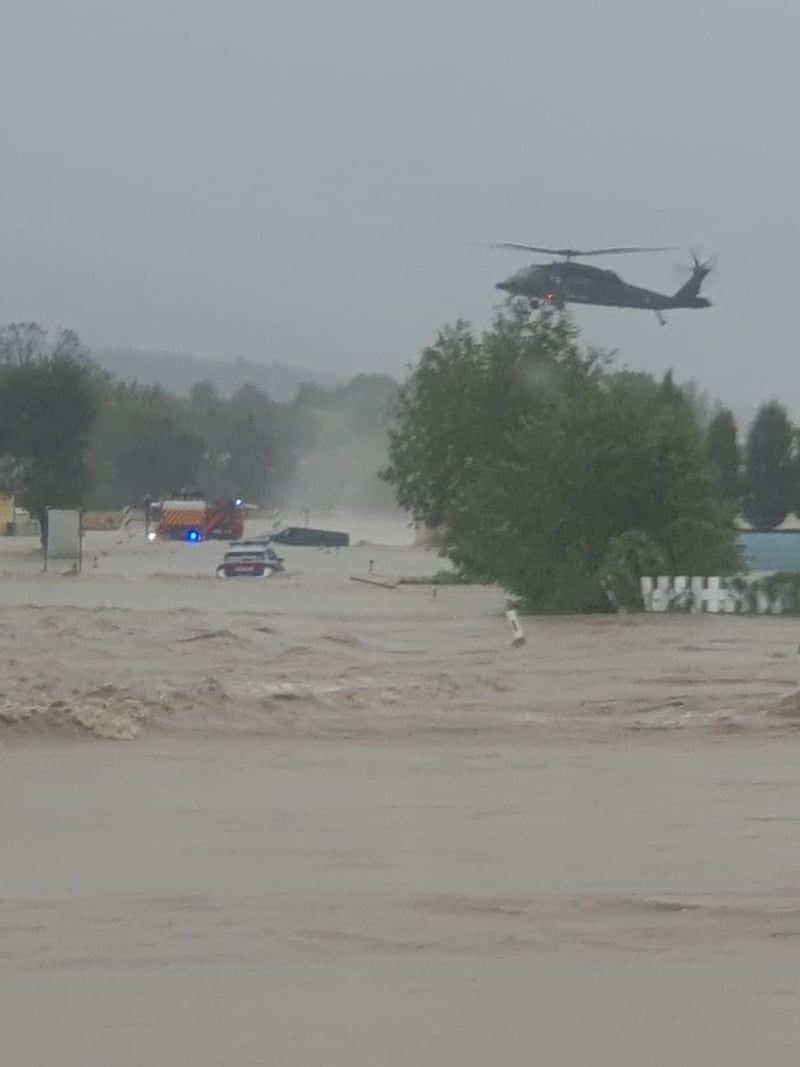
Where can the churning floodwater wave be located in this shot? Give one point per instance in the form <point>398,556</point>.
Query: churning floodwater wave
<point>303,819</point>
<point>147,641</point>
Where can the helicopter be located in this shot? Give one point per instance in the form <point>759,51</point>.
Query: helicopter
<point>569,282</point>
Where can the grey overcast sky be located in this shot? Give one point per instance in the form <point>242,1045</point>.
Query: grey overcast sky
<point>301,181</point>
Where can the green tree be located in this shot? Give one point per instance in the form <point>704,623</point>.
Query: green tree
<point>434,436</point>
<point>468,396</point>
<point>629,557</point>
<point>141,446</point>
<point>240,453</point>
<point>551,460</point>
<point>586,472</point>
<point>699,403</point>
<point>252,468</point>
<point>50,397</point>
<point>769,474</point>
<point>722,441</point>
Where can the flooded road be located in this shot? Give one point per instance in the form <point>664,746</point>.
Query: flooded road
<point>211,904</point>
<point>321,823</point>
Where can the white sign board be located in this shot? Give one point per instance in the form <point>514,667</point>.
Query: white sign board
<point>63,539</point>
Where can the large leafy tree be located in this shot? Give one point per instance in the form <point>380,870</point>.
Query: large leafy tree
<point>543,461</point>
<point>50,397</point>
<point>468,396</point>
<point>585,472</point>
<point>769,472</point>
<point>435,435</point>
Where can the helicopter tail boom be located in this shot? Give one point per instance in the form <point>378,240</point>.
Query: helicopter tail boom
<point>688,296</point>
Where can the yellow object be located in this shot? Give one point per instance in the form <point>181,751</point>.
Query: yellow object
<point>6,512</point>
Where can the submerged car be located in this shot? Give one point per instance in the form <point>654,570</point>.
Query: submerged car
<point>248,559</point>
<point>307,538</point>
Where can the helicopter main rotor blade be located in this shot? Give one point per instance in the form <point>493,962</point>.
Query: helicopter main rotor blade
<point>570,253</point>
<point>535,248</point>
<point>617,251</point>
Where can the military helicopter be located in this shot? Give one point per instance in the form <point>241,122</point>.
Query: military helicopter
<point>568,282</point>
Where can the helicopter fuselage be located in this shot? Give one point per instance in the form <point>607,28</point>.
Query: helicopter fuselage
<point>579,283</point>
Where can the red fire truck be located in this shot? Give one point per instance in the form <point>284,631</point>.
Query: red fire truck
<point>187,516</point>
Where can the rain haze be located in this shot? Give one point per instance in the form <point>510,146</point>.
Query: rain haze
<point>367,814</point>
<point>302,183</point>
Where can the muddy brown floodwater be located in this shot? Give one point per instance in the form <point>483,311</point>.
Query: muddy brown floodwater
<point>311,821</point>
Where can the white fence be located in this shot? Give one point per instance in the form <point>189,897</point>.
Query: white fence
<point>716,594</point>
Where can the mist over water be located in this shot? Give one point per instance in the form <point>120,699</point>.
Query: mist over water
<point>344,447</point>
<point>340,471</point>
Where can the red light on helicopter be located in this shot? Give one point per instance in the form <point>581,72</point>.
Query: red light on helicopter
<point>549,296</point>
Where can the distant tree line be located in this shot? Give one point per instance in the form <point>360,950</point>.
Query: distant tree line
<point>544,467</point>
<point>72,435</point>
<point>147,442</point>
<point>177,373</point>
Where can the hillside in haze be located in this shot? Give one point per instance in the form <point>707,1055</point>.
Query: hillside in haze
<point>177,373</point>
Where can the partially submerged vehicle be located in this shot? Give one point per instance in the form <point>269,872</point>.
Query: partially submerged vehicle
<point>188,516</point>
<point>305,537</point>
<point>249,559</point>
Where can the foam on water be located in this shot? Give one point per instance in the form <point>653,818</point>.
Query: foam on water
<point>315,821</point>
<point>149,641</point>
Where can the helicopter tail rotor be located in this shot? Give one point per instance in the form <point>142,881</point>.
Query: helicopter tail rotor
<point>689,293</point>
<point>700,264</point>
<point>701,261</point>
